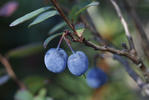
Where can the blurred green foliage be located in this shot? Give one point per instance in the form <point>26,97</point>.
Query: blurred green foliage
<point>23,47</point>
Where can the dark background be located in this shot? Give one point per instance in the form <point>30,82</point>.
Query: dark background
<point>29,67</point>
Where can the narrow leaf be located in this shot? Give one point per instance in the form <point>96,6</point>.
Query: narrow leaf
<point>23,95</point>
<point>80,28</point>
<point>25,50</point>
<point>57,27</point>
<point>94,3</point>
<point>29,16</point>
<point>50,38</point>
<point>44,16</point>
<point>42,92</point>
<point>34,83</point>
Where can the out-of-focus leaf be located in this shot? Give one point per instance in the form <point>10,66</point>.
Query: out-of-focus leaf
<point>50,38</point>
<point>82,6</point>
<point>42,92</point>
<point>74,9</point>
<point>57,27</point>
<point>48,98</point>
<point>29,16</point>
<point>9,8</point>
<point>4,79</point>
<point>41,95</point>
<point>39,98</point>
<point>68,82</point>
<point>56,92</point>
<point>44,16</point>
<point>118,39</point>
<point>94,3</point>
<point>25,50</point>
<point>34,83</point>
<point>119,91</point>
<point>23,95</point>
<point>80,28</point>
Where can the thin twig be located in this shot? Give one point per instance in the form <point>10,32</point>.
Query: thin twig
<point>143,86</point>
<point>55,3</point>
<point>129,37</point>
<point>124,53</point>
<point>131,10</point>
<point>131,55</point>
<point>115,51</point>
<point>108,49</point>
<point>131,43</point>
<point>90,25</point>
<point>10,71</point>
<point>130,71</point>
<point>124,62</point>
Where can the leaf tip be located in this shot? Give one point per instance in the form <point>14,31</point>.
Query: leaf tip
<point>44,45</point>
<point>12,24</point>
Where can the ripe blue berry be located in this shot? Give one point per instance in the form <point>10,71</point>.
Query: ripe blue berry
<point>77,63</point>
<point>55,60</point>
<point>96,77</point>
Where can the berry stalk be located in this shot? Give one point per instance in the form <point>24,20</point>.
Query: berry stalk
<point>66,40</point>
<point>60,41</point>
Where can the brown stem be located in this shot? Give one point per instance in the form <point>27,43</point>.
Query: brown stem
<point>90,25</point>
<point>124,53</point>
<point>55,3</point>
<point>124,23</point>
<point>10,71</point>
<point>108,49</point>
<point>131,43</point>
<point>131,10</point>
<point>131,55</point>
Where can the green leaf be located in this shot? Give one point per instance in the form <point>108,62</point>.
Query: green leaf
<point>23,95</point>
<point>57,27</point>
<point>80,28</point>
<point>41,95</point>
<point>57,92</point>
<point>74,9</point>
<point>39,98</point>
<point>77,9</point>
<point>44,16</point>
<point>25,50</point>
<point>50,38</point>
<point>80,88</point>
<point>34,83</point>
<point>42,92</point>
<point>29,16</point>
<point>49,98</point>
<point>94,3</point>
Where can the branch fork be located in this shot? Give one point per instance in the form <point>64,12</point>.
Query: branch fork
<point>129,53</point>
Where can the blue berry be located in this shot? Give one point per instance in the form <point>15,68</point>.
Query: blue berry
<point>96,77</point>
<point>77,63</point>
<point>55,60</point>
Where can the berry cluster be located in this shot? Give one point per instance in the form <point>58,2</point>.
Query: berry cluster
<point>56,60</point>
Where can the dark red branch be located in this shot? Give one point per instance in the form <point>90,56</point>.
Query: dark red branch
<point>10,71</point>
<point>55,3</point>
<point>129,54</point>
